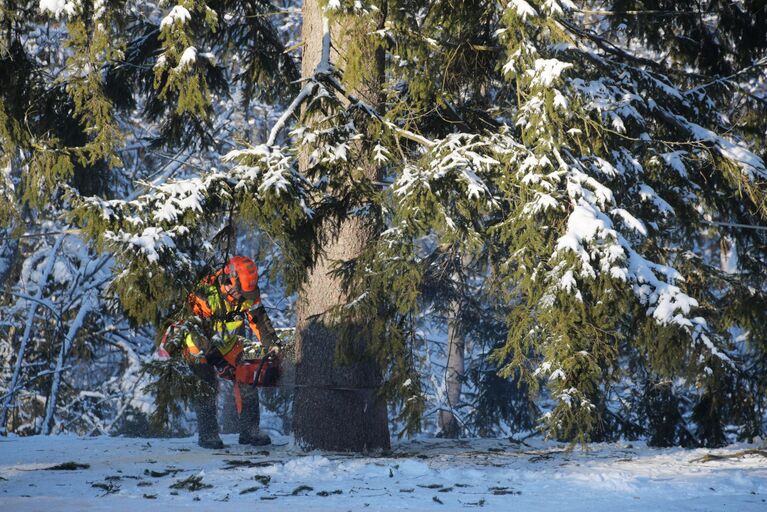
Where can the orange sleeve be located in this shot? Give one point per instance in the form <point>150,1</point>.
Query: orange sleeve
<point>200,306</point>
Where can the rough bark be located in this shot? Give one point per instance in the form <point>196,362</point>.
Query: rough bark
<point>325,417</point>
<point>454,372</point>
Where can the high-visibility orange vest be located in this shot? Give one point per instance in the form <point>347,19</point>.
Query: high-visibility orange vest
<point>206,303</point>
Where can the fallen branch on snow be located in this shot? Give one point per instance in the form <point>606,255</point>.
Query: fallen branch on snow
<point>737,455</point>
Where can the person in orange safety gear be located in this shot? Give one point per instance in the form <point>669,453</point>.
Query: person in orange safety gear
<point>226,304</point>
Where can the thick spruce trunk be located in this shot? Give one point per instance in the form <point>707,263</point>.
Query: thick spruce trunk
<point>324,416</point>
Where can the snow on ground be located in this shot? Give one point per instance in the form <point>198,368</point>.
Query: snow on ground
<point>428,474</point>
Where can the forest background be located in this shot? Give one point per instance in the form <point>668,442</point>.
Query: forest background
<point>486,217</point>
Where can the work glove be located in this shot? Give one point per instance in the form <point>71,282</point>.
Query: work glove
<point>268,335</point>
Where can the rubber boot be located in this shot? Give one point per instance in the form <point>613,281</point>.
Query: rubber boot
<point>206,410</point>
<point>250,418</point>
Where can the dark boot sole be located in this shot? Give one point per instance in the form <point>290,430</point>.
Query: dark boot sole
<point>255,442</point>
<point>211,445</point>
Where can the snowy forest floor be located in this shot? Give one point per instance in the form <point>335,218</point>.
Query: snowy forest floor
<point>429,474</point>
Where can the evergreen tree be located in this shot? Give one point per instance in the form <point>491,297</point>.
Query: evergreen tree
<point>585,246</point>
<point>591,183</point>
<point>42,58</point>
<point>337,407</point>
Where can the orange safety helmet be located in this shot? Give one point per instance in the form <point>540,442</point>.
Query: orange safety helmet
<point>239,279</point>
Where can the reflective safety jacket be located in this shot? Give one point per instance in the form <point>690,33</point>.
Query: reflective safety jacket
<point>227,322</point>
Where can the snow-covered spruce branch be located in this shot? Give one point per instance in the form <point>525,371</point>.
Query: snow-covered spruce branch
<point>613,49</point>
<point>759,64</point>
<point>616,50</point>
<point>325,73</point>
<point>305,93</point>
<point>752,167</point>
<point>172,166</point>
<point>605,121</point>
<point>373,113</point>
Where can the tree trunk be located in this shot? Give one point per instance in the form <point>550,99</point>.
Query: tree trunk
<point>325,417</point>
<point>86,306</point>
<point>728,255</point>
<point>9,250</point>
<point>454,371</point>
<point>28,327</point>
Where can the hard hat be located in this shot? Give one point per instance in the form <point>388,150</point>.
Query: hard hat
<point>239,279</point>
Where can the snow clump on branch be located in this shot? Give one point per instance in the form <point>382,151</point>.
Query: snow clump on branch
<point>178,14</point>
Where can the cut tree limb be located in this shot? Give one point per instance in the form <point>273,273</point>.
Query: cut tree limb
<point>737,455</point>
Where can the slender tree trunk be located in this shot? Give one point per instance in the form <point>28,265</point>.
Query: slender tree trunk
<point>350,419</point>
<point>9,247</point>
<point>454,372</point>
<point>51,259</point>
<point>86,306</point>
<point>9,253</point>
<point>9,250</point>
<point>728,255</point>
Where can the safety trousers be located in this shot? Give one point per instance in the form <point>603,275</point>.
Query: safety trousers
<point>206,410</point>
